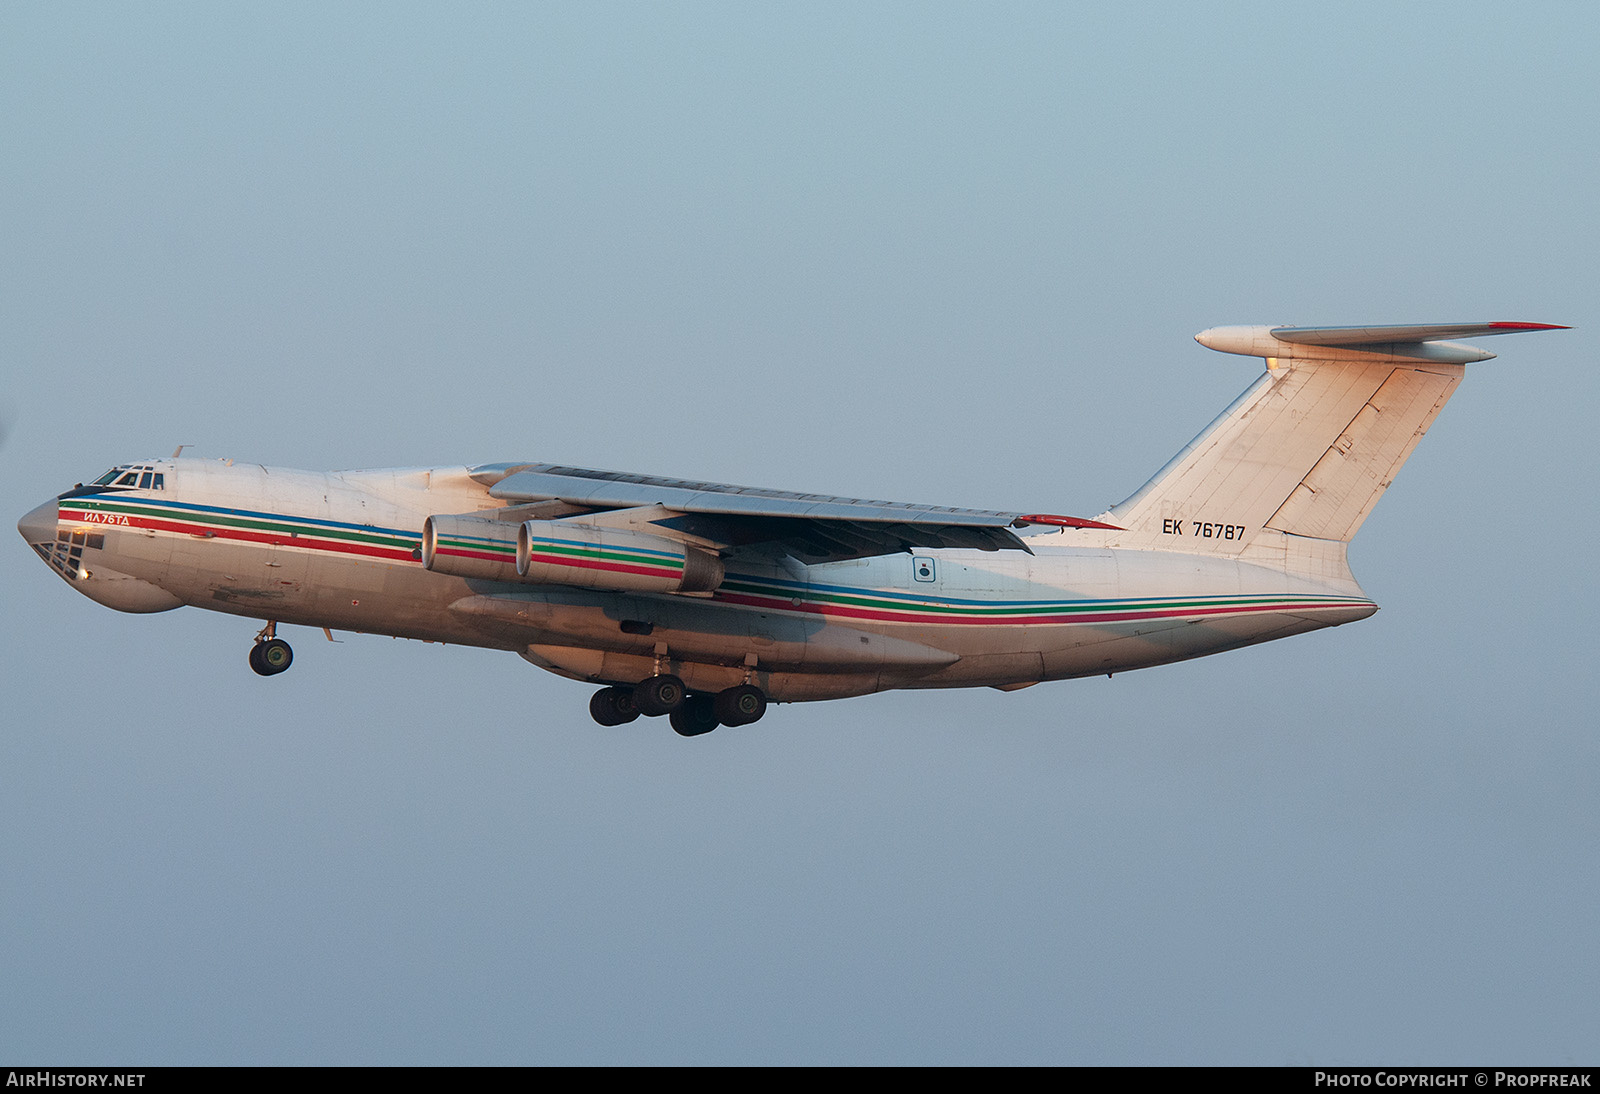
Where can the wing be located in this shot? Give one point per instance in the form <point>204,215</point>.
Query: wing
<point>813,527</point>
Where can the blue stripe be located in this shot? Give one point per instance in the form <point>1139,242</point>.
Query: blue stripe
<point>586,545</point>
<point>916,598</point>
<point>191,507</point>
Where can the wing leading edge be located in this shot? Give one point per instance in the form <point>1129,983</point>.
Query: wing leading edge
<point>814,527</point>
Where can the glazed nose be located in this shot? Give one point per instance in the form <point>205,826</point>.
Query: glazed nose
<point>39,525</point>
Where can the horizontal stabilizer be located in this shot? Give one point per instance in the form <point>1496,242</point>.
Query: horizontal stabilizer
<point>1426,342</point>
<point>1366,336</point>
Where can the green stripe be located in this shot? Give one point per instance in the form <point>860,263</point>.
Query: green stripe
<point>500,548</point>
<point>1074,607</point>
<point>609,554</point>
<point>244,523</point>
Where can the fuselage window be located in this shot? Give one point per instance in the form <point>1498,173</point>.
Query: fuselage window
<point>109,477</point>
<point>160,483</point>
<point>130,479</point>
<point>144,481</point>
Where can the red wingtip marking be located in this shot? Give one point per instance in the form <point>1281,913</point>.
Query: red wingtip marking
<point>1065,522</point>
<point>1529,326</point>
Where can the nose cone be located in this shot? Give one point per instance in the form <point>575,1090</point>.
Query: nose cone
<point>39,525</point>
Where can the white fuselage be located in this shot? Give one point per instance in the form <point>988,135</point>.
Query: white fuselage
<point>342,550</point>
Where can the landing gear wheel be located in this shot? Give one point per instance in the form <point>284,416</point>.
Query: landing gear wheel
<point>271,657</point>
<point>739,706</point>
<point>659,695</point>
<point>613,706</point>
<point>697,715</point>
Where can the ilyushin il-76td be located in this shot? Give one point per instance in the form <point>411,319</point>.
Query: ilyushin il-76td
<point>703,602</point>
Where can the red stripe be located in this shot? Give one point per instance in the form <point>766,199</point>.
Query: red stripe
<point>276,539</point>
<point>482,556</point>
<point>614,567</point>
<point>1009,621</point>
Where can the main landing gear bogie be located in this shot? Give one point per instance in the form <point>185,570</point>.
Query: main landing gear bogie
<point>613,706</point>
<point>695,716</point>
<point>739,706</point>
<point>690,714</point>
<point>659,694</point>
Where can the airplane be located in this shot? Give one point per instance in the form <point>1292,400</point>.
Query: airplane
<point>704,602</point>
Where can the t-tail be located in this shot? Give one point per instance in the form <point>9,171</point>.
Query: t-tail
<point>1289,472</point>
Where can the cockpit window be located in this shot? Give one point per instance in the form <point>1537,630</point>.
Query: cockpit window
<point>142,476</point>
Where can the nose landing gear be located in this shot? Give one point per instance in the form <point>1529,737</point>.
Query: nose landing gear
<point>271,654</point>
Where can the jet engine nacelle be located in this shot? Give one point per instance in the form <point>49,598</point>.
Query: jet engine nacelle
<point>560,553</point>
<point>468,546</point>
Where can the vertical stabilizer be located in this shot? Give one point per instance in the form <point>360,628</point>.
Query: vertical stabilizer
<point>1309,448</point>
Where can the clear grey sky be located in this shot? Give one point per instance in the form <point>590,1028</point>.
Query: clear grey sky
<point>941,253</point>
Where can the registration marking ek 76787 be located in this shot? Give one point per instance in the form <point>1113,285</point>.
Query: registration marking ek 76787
<point>1202,529</point>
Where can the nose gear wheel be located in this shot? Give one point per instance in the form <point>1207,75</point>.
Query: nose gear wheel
<point>271,657</point>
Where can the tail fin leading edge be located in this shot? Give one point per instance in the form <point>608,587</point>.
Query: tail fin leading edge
<point>1309,448</point>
